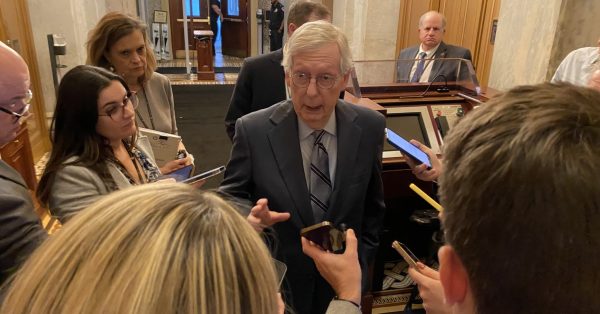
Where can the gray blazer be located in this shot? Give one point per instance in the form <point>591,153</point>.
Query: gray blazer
<point>20,228</point>
<point>266,162</point>
<point>159,95</point>
<point>448,68</point>
<point>75,187</point>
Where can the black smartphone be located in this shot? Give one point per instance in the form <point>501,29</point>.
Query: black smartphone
<point>180,174</point>
<point>406,254</point>
<point>204,175</point>
<point>326,235</point>
<point>406,148</point>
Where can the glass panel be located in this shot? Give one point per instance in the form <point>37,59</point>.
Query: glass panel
<point>233,8</point>
<point>195,8</point>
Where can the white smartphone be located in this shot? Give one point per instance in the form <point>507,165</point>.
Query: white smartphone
<point>204,175</point>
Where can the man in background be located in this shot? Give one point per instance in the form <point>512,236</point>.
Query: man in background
<point>20,228</point>
<point>521,200</point>
<point>577,67</point>
<point>276,25</point>
<point>215,15</point>
<point>432,27</point>
<point>261,81</point>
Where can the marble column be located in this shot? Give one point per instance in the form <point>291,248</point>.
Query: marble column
<point>534,36</point>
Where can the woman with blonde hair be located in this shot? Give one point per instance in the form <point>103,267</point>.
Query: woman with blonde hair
<point>119,43</point>
<point>154,248</point>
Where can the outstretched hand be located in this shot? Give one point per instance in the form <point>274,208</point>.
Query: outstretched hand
<point>261,216</point>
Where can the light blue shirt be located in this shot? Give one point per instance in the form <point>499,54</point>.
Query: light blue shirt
<point>329,140</point>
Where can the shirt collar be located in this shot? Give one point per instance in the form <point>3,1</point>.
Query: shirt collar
<point>429,52</point>
<point>305,131</point>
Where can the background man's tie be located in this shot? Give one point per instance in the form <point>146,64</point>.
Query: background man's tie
<point>320,183</point>
<point>420,68</point>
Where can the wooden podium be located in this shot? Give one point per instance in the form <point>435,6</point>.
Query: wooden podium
<point>204,54</point>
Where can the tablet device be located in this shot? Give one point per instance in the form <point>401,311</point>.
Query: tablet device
<point>406,148</point>
<point>180,174</point>
<point>204,175</point>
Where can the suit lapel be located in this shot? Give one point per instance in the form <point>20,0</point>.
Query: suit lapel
<point>285,146</point>
<point>441,52</point>
<point>406,64</point>
<point>348,134</point>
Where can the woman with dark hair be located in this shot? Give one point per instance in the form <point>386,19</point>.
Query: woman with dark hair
<point>95,146</point>
<point>119,43</point>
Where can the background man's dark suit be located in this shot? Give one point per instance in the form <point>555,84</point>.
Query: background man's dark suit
<point>266,162</point>
<point>447,68</point>
<point>21,231</point>
<point>260,84</point>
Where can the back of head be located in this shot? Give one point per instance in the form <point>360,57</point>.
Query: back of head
<point>522,200</point>
<point>112,27</point>
<point>74,123</point>
<point>315,35</point>
<point>154,248</point>
<point>301,12</point>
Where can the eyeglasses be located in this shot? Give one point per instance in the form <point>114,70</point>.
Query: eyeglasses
<point>115,110</point>
<point>324,81</point>
<point>23,112</point>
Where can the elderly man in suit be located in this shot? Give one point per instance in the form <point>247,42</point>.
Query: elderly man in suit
<point>432,26</point>
<point>261,83</point>
<point>313,158</point>
<point>20,228</point>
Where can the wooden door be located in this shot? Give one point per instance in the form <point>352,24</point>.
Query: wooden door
<point>16,28</point>
<point>197,14</point>
<point>235,29</point>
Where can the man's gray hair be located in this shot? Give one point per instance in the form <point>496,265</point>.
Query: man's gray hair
<point>315,35</point>
<point>430,13</point>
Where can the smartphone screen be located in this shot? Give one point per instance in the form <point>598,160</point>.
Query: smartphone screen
<point>405,147</point>
<point>204,175</point>
<point>326,235</point>
<point>406,254</point>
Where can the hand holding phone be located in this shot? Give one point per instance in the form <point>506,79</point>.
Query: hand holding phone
<point>325,235</point>
<point>406,254</point>
<point>406,148</point>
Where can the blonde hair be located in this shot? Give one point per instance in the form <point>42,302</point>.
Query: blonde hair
<point>314,35</point>
<point>154,248</point>
<point>112,27</point>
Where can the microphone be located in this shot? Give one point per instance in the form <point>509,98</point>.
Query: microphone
<point>441,89</point>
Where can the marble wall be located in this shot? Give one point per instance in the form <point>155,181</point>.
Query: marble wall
<point>534,36</point>
<point>72,19</point>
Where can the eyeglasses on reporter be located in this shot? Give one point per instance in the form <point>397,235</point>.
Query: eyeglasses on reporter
<point>23,112</point>
<point>116,110</point>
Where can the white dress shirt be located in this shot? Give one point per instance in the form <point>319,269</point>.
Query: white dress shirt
<point>428,64</point>
<point>577,66</point>
<point>329,140</point>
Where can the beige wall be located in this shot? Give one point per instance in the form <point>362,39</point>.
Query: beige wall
<point>72,19</point>
<point>534,36</point>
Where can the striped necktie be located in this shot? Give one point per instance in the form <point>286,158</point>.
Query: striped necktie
<point>420,68</point>
<point>320,183</point>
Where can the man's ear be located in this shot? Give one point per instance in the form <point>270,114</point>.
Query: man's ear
<point>453,276</point>
<point>287,79</point>
<point>291,28</point>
